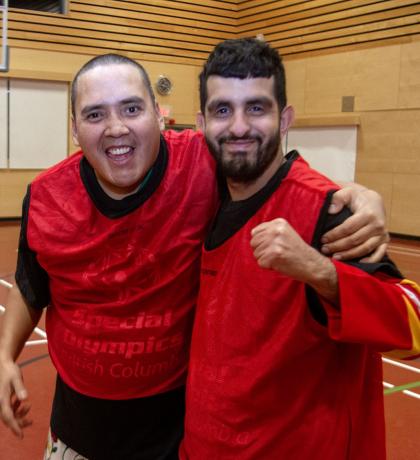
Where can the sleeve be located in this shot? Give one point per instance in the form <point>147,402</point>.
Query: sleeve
<point>377,306</point>
<point>31,278</point>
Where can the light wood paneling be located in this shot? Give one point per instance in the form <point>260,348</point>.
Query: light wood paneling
<point>382,183</point>
<point>405,211</point>
<point>368,49</point>
<point>389,162</point>
<point>391,142</point>
<point>296,77</point>
<point>409,91</point>
<point>312,26</point>
<point>13,186</point>
<point>177,31</point>
<point>333,76</point>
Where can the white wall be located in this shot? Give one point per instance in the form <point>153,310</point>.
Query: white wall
<point>3,123</point>
<point>38,123</point>
<point>330,150</point>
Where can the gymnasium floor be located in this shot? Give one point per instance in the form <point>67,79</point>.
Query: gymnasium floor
<point>402,407</point>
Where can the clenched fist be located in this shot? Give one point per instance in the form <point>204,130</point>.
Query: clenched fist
<point>277,246</point>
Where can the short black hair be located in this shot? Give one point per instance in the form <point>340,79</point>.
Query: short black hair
<point>244,58</point>
<point>108,59</point>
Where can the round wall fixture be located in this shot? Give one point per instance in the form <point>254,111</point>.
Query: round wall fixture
<point>163,85</point>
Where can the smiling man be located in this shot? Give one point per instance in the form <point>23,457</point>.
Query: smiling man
<point>284,359</point>
<point>110,243</point>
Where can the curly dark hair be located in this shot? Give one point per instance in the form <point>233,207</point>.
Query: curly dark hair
<point>244,58</point>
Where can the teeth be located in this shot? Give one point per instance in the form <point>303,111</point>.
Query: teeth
<point>119,150</point>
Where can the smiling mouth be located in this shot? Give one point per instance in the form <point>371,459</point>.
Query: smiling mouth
<point>119,153</point>
<point>238,146</point>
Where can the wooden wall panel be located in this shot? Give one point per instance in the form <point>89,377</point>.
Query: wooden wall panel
<point>405,211</point>
<point>385,83</point>
<point>332,76</point>
<point>389,161</point>
<point>380,68</point>
<point>409,87</point>
<point>382,183</point>
<point>186,31</point>
<point>164,30</point>
<point>12,190</point>
<point>296,79</point>
<point>313,26</point>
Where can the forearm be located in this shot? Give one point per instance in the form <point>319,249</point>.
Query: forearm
<point>321,275</point>
<point>18,323</point>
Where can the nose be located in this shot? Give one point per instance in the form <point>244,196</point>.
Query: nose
<point>116,126</point>
<point>239,125</point>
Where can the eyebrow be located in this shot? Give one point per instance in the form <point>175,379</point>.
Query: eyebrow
<point>258,100</point>
<point>129,100</point>
<point>216,103</point>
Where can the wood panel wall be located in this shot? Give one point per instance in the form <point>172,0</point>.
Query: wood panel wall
<point>168,30</point>
<point>185,31</point>
<point>300,27</point>
<point>385,84</point>
<point>380,68</point>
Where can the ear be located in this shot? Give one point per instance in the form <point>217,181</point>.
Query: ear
<point>160,117</point>
<point>200,121</point>
<point>74,132</point>
<point>286,119</point>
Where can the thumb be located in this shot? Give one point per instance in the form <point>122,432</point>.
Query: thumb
<point>339,200</point>
<point>19,388</point>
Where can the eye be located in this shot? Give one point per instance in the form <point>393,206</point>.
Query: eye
<point>256,109</point>
<point>222,111</point>
<point>94,116</point>
<point>132,109</point>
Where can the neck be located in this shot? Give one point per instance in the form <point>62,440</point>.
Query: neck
<point>242,190</point>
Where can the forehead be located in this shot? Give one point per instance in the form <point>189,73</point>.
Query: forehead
<point>237,90</point>
<point>107,84</point>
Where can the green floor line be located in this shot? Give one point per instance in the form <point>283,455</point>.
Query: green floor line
<point>407,386</point>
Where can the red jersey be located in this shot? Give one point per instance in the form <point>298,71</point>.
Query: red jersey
<point>123,290</point>
<point>266,381</point>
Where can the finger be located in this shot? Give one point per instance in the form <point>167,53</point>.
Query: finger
<point>272,224</point>
<point>19,389</point>
<point>377,255</point>
<point>25,423</point>
<point>259,251</point>
<point>8,417</point>
<point>259,228</point>
<point>352,225</point>
<point>359,251</point>
<point>20,409</point>
<point>256,240</point>
<point>22,420</point>
<point>339,200</point>
<point>264,261</point>
<point>351,241</point>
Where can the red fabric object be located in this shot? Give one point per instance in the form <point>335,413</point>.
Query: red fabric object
<point>123,290</point>
<point>266,381</point>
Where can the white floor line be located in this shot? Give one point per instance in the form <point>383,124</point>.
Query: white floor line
<point>6,284</point>
<point>406,392</point>
<point>37,330</point>
<point>31,343</point>
<point>402,365</point>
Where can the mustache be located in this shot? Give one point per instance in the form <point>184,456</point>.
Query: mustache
<point>231,138</point>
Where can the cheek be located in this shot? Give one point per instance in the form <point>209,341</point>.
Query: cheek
<point>214,130</point>
<point>88,136</point>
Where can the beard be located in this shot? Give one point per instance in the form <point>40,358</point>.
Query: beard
<point>242,166</point>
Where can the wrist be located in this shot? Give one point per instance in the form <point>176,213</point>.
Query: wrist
<point>323,278</point>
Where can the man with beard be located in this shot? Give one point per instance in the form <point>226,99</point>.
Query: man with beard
<point>284,359</point>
